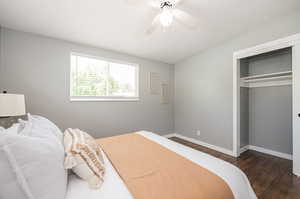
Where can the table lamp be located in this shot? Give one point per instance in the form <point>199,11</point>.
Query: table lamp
<point>11,105</point>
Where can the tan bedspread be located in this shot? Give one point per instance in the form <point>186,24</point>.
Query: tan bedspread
<point>152,171</point>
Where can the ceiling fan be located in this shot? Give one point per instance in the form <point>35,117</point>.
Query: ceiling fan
<point>167,13</point>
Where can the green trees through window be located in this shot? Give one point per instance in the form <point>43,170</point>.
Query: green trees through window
<point>92,77</point>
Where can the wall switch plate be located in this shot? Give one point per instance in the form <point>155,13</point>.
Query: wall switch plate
<point>198,133</point>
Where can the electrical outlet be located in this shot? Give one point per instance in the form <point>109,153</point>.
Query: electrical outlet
<point>198,133</point>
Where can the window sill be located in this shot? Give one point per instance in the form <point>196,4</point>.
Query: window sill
<point>105,100</point>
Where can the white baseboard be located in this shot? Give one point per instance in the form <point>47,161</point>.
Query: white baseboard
<point>267,151</point>
<point>243,149</point>
<point>195,141</point>
<point>228,152</point>
<point>170,135</point>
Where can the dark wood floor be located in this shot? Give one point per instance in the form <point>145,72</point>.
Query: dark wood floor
<point>271,177</point>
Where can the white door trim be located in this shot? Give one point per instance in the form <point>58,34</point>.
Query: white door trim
<point>296,109</point>
<point>267,47</point>
<point>256,50</point>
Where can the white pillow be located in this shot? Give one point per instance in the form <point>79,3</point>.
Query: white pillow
<point>27,125</point>
<point>32,166</point>
<point>84,157</point>
<point>15,128</point>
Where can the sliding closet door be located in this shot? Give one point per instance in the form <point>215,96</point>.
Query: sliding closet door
<point>296,109</point>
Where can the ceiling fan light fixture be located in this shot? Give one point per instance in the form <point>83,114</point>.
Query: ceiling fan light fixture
<point>166,17</point>
<point>169,12</point>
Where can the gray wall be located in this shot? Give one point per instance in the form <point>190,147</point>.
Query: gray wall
<point>39,68</point>
<point>203,84</point>
<point>273,62</point>
<point>244,106</point>
<point>244,117</point>
<point>1,68</point>
<point>270,118</point>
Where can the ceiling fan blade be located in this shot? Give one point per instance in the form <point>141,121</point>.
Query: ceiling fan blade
<point>155,3</point>
<point>185,19</point>
<point>154,25</point>
<point>178,2</point>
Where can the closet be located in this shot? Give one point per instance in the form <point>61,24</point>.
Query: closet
<point>266,99</point>
<point>266,103</point>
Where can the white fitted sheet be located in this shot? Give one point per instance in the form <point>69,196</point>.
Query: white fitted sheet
<point>114,188</point>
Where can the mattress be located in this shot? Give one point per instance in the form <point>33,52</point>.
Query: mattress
<point>114,187</point>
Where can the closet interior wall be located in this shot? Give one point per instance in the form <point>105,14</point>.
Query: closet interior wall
<point>266,111</point>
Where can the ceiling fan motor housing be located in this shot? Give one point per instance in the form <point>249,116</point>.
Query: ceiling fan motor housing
<point>168,4</point>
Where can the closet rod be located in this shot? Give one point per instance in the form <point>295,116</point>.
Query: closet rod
<point>268,74</point>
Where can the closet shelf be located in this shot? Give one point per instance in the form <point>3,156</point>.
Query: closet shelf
<point>270,79</point>
<point>268,75</point>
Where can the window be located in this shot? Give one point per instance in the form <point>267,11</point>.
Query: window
<point>95,79</point>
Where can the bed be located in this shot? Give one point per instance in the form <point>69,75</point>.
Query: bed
<point>114,188</point>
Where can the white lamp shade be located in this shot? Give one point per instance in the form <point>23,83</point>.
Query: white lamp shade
<point>12,105</point>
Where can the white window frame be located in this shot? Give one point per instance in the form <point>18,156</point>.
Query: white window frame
<point>104,98</point>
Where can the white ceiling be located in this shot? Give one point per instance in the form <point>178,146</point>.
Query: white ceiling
<point>115,25</point>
